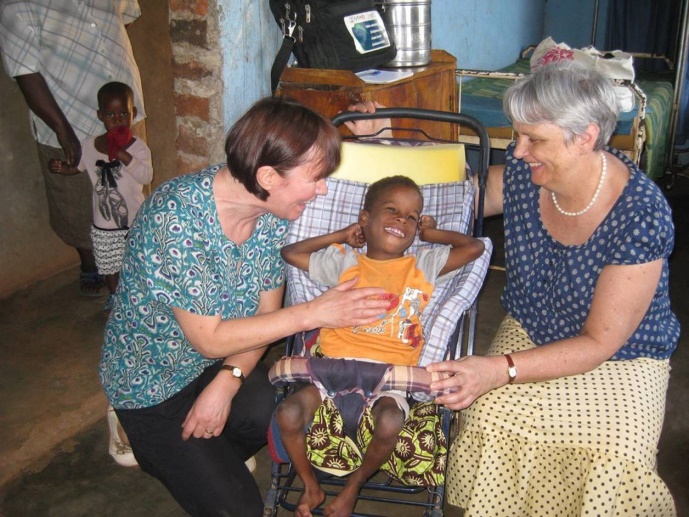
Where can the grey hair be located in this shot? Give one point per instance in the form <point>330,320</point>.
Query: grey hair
<point>567,94</point>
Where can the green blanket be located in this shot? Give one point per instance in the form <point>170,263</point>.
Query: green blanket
<point>658,111</point>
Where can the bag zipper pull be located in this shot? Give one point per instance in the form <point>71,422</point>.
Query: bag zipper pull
<point>292,23</point>
<point>288,26</point>
<point>308,13</point>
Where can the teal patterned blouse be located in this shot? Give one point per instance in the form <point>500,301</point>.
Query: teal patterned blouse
<point>178,256</point>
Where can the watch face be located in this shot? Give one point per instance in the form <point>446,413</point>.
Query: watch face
<point>512,372</point>
<point>236,372</point>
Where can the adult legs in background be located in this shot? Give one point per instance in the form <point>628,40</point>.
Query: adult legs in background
<point>71,215</point>
<point>70,210</point>
<point>206,476</point>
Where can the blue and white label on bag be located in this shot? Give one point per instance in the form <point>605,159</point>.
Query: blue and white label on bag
<point>368,31</point>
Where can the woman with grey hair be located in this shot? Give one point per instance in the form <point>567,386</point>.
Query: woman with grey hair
<point>563,414</point>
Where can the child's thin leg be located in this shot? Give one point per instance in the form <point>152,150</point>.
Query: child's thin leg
<point>388,420</point>
<point>111,282</point>
<point>293,415</point>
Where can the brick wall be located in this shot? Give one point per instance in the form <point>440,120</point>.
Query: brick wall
<point>198,87</point>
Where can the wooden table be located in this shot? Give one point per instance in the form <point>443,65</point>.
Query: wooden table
<point>432,86</point>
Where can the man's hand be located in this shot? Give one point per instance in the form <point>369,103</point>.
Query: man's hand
<point>70,145</point>
<point>40,100</point>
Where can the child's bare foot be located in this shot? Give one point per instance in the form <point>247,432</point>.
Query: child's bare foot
<point>309,500</point>
<point>343,505</point>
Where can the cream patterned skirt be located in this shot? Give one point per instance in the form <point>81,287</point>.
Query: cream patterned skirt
<point>579,445</point>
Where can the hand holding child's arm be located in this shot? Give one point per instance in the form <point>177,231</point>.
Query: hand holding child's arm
<point>56,166</point>
<point>464,248</point>
<point>299,253</point>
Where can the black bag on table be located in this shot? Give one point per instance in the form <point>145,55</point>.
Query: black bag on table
<point>334,34</point>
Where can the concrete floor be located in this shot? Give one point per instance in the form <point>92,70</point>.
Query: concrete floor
<point>53,434</point>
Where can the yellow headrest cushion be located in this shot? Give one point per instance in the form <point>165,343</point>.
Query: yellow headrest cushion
<point>439,163</point>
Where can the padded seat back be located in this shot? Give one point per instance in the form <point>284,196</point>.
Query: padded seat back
<point>425,164</point>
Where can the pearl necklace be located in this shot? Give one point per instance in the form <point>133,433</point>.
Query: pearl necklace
<point>595,195</point>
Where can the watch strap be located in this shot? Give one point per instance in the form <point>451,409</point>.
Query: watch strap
<point>235,371</point>
<point>511,369</point>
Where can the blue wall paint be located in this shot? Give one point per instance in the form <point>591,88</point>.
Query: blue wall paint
<point>572,22</point>
<point>486,34</point>
<point>249,41</point>
<point>480,33</point>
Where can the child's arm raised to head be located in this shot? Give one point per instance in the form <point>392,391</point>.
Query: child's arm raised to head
<point>299,253</point>
<point>59,167</point>
<point>464,248</point>
<point>137,161</point>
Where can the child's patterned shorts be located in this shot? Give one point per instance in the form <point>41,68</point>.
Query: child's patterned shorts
<point>108,249</point>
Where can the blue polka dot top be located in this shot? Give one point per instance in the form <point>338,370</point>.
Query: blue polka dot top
<point>550,286</point>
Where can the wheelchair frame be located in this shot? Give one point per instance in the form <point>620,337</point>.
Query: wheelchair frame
<point>282,475</point>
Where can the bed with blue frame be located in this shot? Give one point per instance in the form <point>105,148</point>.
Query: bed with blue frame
<point>642,133</point>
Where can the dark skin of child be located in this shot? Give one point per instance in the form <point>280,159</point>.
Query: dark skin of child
<point>389,229</point>
<point>116,111</point>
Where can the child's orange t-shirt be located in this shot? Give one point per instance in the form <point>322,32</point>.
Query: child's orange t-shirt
<point>397,337</point>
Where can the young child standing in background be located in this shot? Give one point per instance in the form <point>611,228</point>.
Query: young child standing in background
<point>119,165</point>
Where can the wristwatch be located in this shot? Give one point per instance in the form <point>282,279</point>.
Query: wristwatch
<point>235,371</point>
<point>511,368</point>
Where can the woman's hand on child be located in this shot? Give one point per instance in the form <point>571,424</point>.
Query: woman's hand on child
<point>347,306</point>
<point>426,222</point>
<point>470,377</point>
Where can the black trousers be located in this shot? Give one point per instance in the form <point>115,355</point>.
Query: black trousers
<point>207,477</point>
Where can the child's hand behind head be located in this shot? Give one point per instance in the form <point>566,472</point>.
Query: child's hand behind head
<point>426,222</point>
<point>354,236</point>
